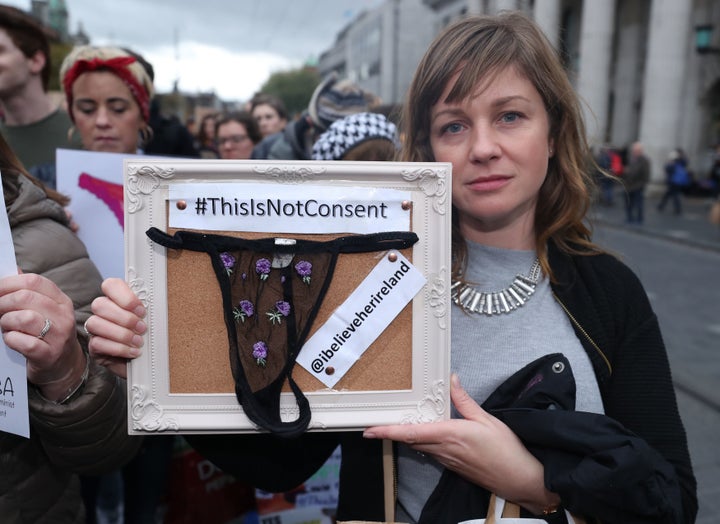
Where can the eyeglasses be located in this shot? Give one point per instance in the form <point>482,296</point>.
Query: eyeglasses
<point>234,139</point>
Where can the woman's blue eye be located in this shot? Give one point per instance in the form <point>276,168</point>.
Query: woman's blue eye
<point>510,117</point>
<point>453,128</point>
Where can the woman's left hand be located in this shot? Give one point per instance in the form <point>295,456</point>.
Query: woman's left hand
<point>38,320</point>
<point>478,447</point>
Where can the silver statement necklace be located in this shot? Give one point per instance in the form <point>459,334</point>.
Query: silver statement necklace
<point>496,302</point>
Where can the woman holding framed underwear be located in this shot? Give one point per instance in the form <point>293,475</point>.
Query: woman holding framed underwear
<point>579,354</point>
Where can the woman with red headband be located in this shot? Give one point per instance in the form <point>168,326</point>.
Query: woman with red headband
<point>108,92</point>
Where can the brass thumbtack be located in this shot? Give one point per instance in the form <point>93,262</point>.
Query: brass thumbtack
<point>406,204</point>
<point>330,370</point>
<point>392,257</point>
<point>181,204</point>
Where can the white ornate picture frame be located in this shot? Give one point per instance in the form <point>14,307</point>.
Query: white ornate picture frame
<point>154,408</point>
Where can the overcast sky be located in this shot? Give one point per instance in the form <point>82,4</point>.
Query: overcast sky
<point>229,46</point>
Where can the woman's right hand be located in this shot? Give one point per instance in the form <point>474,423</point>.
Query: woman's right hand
<point>116,326</point>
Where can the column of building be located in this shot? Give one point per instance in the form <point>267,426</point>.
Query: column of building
<point>593,83</point>
<point>668,45</point>
<point>631,38</point>
<point>474,7</point>
<point>547,15</point>
<point>505,5</point>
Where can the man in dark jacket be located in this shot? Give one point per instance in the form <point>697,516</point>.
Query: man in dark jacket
<point>635,178</point>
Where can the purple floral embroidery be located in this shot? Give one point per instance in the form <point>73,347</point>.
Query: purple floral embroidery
<point>243,310</point>
<point>243,276</point>
<point>304,269</point>
<point>262,268</point>
<point>282,309</point>
<point>228,262</point>
<point>260,353</point>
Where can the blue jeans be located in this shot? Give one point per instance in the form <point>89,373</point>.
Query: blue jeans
<point>634,204</point>
<point>607,189</point>
<point>673,193</point>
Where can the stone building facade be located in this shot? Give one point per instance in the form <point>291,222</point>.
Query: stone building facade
<point>634,63</point>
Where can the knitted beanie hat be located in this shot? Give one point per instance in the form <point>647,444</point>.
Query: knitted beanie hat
<point>85,59</point>
<point>334,99</point>
<point>348,132</point>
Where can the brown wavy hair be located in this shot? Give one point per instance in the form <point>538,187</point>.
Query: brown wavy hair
<point>478,48</point>
<point>12,169</point>
<point>28,35</point>
<point>241,117</point>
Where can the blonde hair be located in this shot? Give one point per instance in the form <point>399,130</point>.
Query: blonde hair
<point>476,49</point>
<point>127,66</point>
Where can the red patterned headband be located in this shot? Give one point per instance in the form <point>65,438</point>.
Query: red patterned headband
<point>119,67</point>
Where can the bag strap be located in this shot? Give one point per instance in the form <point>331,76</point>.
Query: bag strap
<point>512,510</point>
<point>389,479</point>
<point>490,519</point>
<point>509,509</point>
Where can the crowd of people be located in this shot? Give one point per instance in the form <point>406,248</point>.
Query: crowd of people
<point>626,172</point>
<point>563,405</point>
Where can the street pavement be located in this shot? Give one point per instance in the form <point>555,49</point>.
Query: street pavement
<point>698,400</point>
<point>690,227</point>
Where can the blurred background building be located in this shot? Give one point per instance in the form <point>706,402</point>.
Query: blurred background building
<point>647,70</point>
<point>54,14</point>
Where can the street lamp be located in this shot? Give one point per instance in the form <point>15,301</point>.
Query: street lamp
<point>703,37</point>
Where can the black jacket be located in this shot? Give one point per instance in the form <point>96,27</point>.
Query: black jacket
<point>597,467</point>
<point>614,321</point>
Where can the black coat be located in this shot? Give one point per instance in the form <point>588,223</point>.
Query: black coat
<point>588,458</point>
<point>613,320</point>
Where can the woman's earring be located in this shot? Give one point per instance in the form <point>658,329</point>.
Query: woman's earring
<point>70,133</point>
<point>146,134</point>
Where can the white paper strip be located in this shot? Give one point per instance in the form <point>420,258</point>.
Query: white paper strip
<point>14,412</point>
<point>287,209</point>
<point>355,325</point>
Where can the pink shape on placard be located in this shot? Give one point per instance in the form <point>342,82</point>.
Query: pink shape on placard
<point>110,193</point>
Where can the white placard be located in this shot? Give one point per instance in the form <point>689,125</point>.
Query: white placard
<point>94,183</point>
<point>355,325</point>
<point>14,412</point>
<point>287,209</point>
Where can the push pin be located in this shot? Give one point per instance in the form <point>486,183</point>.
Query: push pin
<point>329,370</point>
<point>406,204</point>
<point>181,204</point>
<point>392,257</point>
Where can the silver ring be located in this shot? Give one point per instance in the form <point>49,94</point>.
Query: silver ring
<point>85,329</point>
<point>45,329</point>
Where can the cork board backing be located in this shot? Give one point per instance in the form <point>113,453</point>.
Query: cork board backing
<point>198,340</point>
